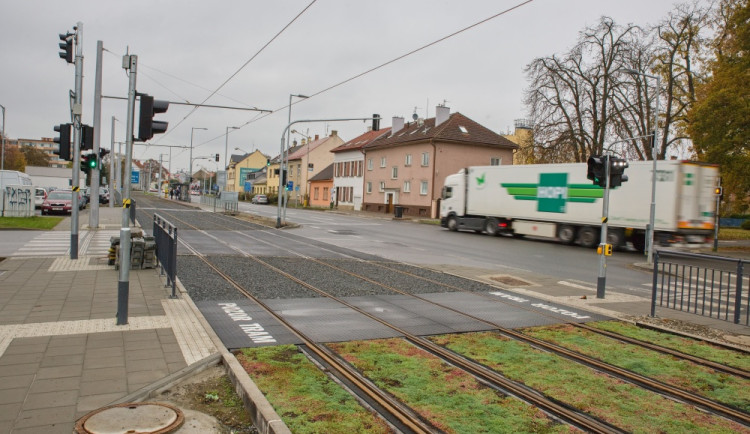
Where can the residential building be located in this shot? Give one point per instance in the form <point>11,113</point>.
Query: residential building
<point>308,160</point>
<point>409,166</point>
<point>321,188</point>
<point>46,145</point>
<point>241,166</point>
<point>524,138</point>
<point>348,169</point>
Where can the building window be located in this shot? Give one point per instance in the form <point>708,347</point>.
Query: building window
<point>423,188</point>
<point>495,161</point>
<point>407,186</point>
<point>394,172</point>
<point>382,186</point>
<point>425,159</point>
<point>382,161</point>
<point>369,164</point>
<point>408,160</point>
<point>369,187</point>
<point>316,193</point>
<point>325,193</point>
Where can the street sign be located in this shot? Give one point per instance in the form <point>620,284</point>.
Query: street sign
<point>290,185</point>
<point>135,177</point>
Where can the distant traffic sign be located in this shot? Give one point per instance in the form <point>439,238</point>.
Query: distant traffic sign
<point>135,177</point>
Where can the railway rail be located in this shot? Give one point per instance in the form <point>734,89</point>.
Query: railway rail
<point>408,419</point>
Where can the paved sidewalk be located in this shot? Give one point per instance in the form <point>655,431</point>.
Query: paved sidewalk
<point>62,354</point>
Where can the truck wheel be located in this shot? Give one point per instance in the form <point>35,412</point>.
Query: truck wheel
<point>452,223</point>
<point>490,226</point>
<point>616,238</point>
<point>588,237</point>
<point>567,234</point>
<point>639,242</point>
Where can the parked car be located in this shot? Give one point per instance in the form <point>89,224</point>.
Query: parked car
<point>39,197</point>
<point>58,202</point>
<point>103,195</point>
<point>259,198</point>
<point>86,193</point>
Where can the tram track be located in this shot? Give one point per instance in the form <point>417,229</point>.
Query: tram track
<point>477,370</point>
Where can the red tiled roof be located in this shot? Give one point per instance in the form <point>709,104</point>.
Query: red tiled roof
<point>457,128</point>
<point>362,140</point>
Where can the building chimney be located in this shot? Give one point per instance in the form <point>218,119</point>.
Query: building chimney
<point>317,137</point>
<point>442,113</point>
<point>397,124</point>
<point>334,133</point>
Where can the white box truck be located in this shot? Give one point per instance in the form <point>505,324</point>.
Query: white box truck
<point>557,201</point>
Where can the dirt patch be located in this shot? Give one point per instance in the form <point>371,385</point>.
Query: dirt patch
<point>211,392</point>
<point>696,330</point>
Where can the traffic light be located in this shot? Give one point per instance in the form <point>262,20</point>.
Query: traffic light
<point>282,182</point>
<point>89,161</point>
<point>719,192</point>
<point>596,170</point>
<point>63,141</point>
<point>67,46</point>
<point>87,138</point>
<point>268,162</point>
<point>617,168</point>
<point>217,158</point>
<point>147,126</point>
<point>103,153</point>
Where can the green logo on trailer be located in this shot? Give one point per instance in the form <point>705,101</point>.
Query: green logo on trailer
<point>553,192</point>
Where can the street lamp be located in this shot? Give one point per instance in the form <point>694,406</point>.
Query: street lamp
<point>650,238</point>
<point>190,174</point>
<point>226,144</point>
<point>285,152</point>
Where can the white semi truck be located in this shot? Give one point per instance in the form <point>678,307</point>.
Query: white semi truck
<point>557,201</point>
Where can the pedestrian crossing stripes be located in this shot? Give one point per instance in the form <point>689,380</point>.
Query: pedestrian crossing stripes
<point>57,243</point>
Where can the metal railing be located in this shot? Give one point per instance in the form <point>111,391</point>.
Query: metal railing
<point>705,285</point>
<point>165,235</point>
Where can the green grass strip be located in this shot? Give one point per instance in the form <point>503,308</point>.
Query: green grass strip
<point>451,399</point>
<point>36,222</point>
<point>686,375</point>
<point>693,347</point>
<point>622,404</point>
<point>305,398</point>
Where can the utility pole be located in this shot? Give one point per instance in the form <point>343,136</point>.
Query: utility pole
<point>94,211</point>
<point>112,157</point>
<point>77,111</point>
<point>601,281</point>
<point>130,63</point>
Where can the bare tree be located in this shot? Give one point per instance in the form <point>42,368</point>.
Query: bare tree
<point>571,97</point>
<point>672,51</point>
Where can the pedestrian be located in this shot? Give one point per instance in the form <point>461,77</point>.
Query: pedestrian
<point>171,193</point>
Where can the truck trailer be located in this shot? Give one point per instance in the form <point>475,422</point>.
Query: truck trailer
<point>557,201</point>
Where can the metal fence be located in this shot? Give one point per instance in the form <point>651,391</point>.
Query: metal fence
<point>705,285</point>
<point>165,235</point>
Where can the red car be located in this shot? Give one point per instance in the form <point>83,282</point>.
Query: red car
<point>58,201</point>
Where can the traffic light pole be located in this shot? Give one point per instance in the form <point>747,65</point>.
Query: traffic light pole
<point>76,140</point>
<point>601,281</point>
<point>130,63</point>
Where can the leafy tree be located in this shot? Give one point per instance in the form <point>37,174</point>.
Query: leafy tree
<point>34,156</point>
<point>14,159</point>
<point>720,118</point>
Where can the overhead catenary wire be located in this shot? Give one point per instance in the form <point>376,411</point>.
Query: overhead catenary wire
<point>375,68</point>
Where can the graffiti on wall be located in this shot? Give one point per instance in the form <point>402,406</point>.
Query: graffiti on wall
<point>18,201</point>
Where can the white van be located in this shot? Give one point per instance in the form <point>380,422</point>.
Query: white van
<point>13,177</point>
<point>16,194</point>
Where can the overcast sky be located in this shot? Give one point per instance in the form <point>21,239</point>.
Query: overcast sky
<point>186,49</point>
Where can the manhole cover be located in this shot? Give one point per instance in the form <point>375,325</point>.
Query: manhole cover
<point>509,280</point>
<point>141,417</point>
